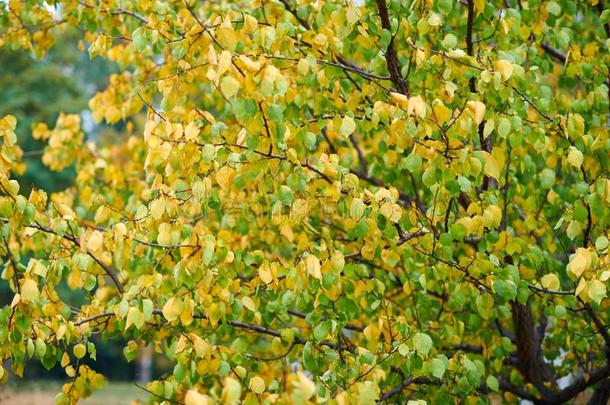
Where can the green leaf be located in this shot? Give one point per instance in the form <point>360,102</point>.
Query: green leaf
<point>503,127</point>
<point>422,343</point>
<point>553,8</point>
<point>41,348</point>
<point>348,126</point>
<point>547,178</point>
<point>484,304</point>
<point>505,289</point>
<point>138,38</point>
<point>573,230</point>
<point>147,309</point>
<point>492,383</point>
<point>413,162</point>
<point>438,367</point>
<point>79,351</point>
<point>321,331</point>
<point>601,243</point>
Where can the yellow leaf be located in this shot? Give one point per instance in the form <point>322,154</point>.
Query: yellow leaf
<point>456,53</point>
<point>265,274</point>
<point>79,351</point>
<point>192,397</point>
<point>248,303</point>
<point>477,110</point>
<point>172,309</point>
<point>479,6</point>
<point>252,66</point>
<point>191,131</point>
<point>229,86</point>
<point>224,61</point>
<point>491,168</point>
<point>348,126</point>
<point>391,211</point>
<point>29,291</point>
<point>65,359</point>
<point>434,20</point>
<point>70,371</point>
<point>102,214</point>
<point>250,23</point>
<point>227,37</point>
<point>441,112</point>
<point>308,388</point>
<point>302,67</point>
<point>581,288</point>
<point>186,315</point>
<point>313,266</point>
<point>231,392</point>
<point>257,385</point>
<point>16,300</point>
<point>223,177</point>
<point>550,282</point>
<point>420,57</point>
<point>489,127</point>
<point>575,157</point>
<point>202,348</point>
<point>400,99</point>
<point>95,242</point>
<point>597,291</point>
<point>157,208</point>
<point>579,262</point>
<point>492,216</point>
<point>337,260</point>
<point>112,114</point>
<point>416,107</point>
<point>320,40</point>
<point>165,234</point>
<point>35,267</point>
<point>134,316</point>
<point>353,14</point>
<point>371,332</point>
<point>504,67</point>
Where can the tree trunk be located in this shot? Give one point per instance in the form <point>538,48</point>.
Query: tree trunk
<point>601,394</point>
<point>144,364</point>
<point>528,339</point>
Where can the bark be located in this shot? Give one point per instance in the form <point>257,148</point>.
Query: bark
<point>601,395</point>
<point>528,339</point>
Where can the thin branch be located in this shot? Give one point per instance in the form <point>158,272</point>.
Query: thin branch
<point>530,102</point>
<point>93,318</point>
<point>391,56</point>
<point>572,390</point>
<point>404,384</point>
<point>76,242</point>
<point>361,156</point>
<point>292,11</point>
<point>255,328</point>
<point>555,53</point>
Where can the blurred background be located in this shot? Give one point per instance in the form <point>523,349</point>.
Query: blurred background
<point>37,90</point>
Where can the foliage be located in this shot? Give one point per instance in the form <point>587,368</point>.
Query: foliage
<point>329,202</point>
<point>32,89</point>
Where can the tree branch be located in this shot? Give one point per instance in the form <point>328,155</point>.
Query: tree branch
<point>577,387</point>
<point>76,242</point>
<point>404,384</point>
<point>391,57</point>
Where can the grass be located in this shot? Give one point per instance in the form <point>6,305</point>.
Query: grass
<point>43,393</point>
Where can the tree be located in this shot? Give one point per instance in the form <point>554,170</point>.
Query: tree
<point>385,201</point>
<point>32,90</point>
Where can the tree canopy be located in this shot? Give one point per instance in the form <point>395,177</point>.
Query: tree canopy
<point>330,201</point>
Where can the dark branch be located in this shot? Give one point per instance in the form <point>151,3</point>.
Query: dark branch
<point>391,57</point>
